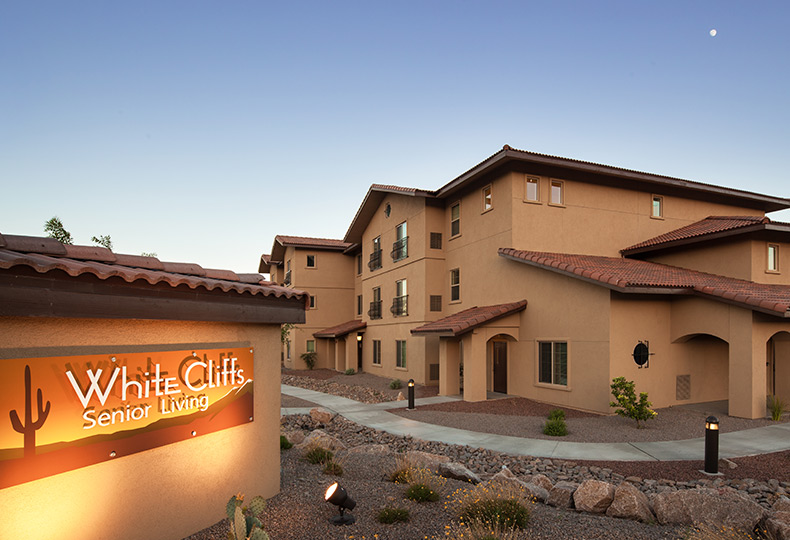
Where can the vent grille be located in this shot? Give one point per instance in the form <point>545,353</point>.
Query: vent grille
<point>436,303</point>
<point>683,387</point>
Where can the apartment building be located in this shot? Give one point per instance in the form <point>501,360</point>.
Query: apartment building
<point>546,277</point>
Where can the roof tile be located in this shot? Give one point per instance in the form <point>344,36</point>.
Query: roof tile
<point>700,230</point>
<point>341,329</point>
<point>34,244</point>
<point>471,318</point>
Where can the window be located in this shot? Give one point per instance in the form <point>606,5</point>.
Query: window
<point>400,304</point>
<point>436,302</point>
<point>773,258</point>
<point>533,189</point>
<point>287,280</point>
<point>400,249</point>
<point>455,284</point>
<point>556,192</point>
<point>375,256</point>
<point>400,353</point>
<point>658,207</point>
<point>311,261</point>
<point>377,352</point>
<point>553,362</point>
<point>375,305</point>
<point>436,240</point>
<point>312,302</point>
<point>288,349</point>
<point>359,304</point>
<point>310,345</point>
<point>455,219</point>
<point>359,264</point>
<point>488,202</point>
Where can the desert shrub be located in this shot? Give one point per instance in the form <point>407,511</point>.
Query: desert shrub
<point>333,467</point>
<point>395,384</point>
<point>709,532</point>
<point>392,515</point>
<point>400,472</point>
<point>502,504</point>
<point>424,485</point>
<point>480,530</point>
<point>285,444</point>
<point>421,493</point>
<point>777,407</point>
<point>309,359</point>
<point>318,455</point>
<point>349,371</point>
<point>627,404</point>
<point>555,427</point>
<point>556,413</point>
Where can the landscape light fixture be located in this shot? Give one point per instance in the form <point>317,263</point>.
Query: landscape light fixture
<point>711,445</point>
<point>411,395</point>
<point>339,497</point>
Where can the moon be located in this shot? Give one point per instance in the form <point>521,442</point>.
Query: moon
<point>713,33</point>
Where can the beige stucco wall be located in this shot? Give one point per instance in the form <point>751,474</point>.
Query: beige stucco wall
<point>163,493</point>
<point>731,259</point>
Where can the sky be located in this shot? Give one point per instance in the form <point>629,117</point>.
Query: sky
<point>199,130</point>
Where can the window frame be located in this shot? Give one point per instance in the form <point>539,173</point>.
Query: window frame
<point>400,354</point>
<point>455,223</point>
<point>359,264</point>
<point>313,302</point>
<point>561,185</point>
<point>772,262</point>
<point>488,198</point>
<point>359,305</point>
<point>554,378</point>
<point>532,180</point>
<point>455,285</point>
<point>660,200</point>
<point>309,345</point>
<point>307,261</point>
<point>376,360</point>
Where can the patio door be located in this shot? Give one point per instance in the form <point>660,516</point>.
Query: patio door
<point>500,366</point>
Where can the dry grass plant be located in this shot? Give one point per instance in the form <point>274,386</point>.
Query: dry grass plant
<point>501,503</point>
<point>481,530</point>
<point>424,485</point>
<point>777,406</point>
<point>402,469</point>
<point>317,454</point>
<point>710,532</point>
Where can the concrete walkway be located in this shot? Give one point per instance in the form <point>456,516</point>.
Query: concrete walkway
<point>737,444</point>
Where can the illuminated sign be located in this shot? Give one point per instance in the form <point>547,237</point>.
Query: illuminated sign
<point>62,413</point>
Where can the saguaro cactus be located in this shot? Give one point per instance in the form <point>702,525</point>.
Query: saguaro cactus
<point>29,428</point>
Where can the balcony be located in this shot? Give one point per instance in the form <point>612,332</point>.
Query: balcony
<point>375,310</point>
<point>400,249</point>
<point>287,281</point>
<point>375,260</point>
<point>400,306</point>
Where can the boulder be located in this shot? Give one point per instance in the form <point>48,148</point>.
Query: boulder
<point>504,474</point>
<point>630,503</point>
<point>321,415</point>
<point>321,438</point>
<point>593,496</point>
<point>543,481</point>
<point>378,449</point>
<point>425,459</point>
<point>778,525</point>
<point>294,436</point>
<point>561,495</point>
<point>458,472</point>
<point>400,397</point>
<point>715,507</point>
<point>782,504</point>
<point>536,491</point>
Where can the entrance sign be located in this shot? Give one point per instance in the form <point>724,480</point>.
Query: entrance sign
<point>63,413</point>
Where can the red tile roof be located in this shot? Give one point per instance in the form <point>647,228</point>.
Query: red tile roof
<point>469,319</point>
<point>709,228</point>
<point>629,275</point>
<point>341,329</point>
<point>45,255</point>
<point>319,243</point>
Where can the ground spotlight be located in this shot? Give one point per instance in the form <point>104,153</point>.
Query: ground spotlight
<point>339,497</point>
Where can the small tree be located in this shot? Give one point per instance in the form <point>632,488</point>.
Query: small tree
<point>103,241</point>
<point>627,405</point>
<point>55,229</point>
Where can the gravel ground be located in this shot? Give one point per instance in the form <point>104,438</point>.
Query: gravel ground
<point>364,387</point>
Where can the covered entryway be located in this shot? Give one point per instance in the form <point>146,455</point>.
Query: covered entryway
<point>777,366</point>
<point>345,344</point>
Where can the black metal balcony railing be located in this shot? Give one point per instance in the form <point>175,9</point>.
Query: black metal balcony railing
<point>375,310</point>
<point>375,260</point>
<point>400,249</point>
<point>287,281</point>
<point>400,305</point>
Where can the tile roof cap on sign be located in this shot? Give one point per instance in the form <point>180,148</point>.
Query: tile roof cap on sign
<point>341,330</point>
<point>45,255</point>
<point>469,319</point>
<point>643,277</point>
<point>370,204</point>
<point>710,228</point>
<point>650,181</point>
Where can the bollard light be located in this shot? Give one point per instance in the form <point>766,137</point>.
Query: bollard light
<point>411,394</point>
<point>339,497</point>
<point>711,445</point>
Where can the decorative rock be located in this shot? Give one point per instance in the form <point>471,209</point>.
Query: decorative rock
<point>380,449</point>
<point>321,415</point>
<point>295,436</point>
<point>426,459</point>
<point>400,397</point>
<point>778,525</point>
<point>543,481</point>
<point>322,438</point>
<point>630,503</point>
<point>593,496</point>
<point>727,464</point>
<point>535,491</point>
<point>782,504</point>
<point>716,507</point>
<point>561,495</point>
<point>458,472</point>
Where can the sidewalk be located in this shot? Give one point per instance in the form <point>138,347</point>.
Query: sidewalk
<point>749,442</point>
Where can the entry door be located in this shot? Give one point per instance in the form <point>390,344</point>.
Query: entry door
<point>500,366</point>
<point>359,355</point>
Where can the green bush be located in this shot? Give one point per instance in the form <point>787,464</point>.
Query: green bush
<point>777,407</point>
<point>626,403</point>
<point>309,359</point>
<point>395,384</point>
<point>285,444</point>
<point>318,455</point>
<point>556,413</point>
<point>422,493</point>
<point>555,427</point>
<point>392,515</point>
<point>509,513</point>
<point>350,371</point>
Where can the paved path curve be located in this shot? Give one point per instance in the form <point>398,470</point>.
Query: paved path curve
<point>736,444</point>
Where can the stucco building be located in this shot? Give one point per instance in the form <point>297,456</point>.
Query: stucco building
<point>546,277</point>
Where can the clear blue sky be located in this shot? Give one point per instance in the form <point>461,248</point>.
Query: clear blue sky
<point>199,130</point>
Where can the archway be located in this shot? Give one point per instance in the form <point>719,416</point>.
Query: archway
<point>701,368</point>
<point>498,357</point>
<point>777,366</point>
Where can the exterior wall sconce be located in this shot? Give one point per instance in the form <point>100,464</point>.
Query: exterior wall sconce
<point>359,337</point>
<point>411,395</point>
<point>711,445</point>
<point>339,497</point>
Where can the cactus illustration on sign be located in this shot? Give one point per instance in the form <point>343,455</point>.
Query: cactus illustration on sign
<point>29,428</point>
